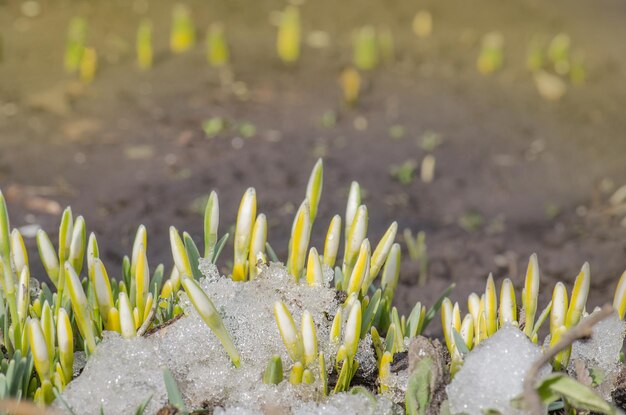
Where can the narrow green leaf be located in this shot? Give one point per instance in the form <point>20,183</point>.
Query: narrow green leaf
<point>218,248</point>
<point>5,228</point>
<point>338,278</point>
<point>390,339</point>
<point>434,310</point>
<point>542,318</point>
<point>460,343</point>
<point>417,395</point>
<point>156,283</point>
<point>211,223</point>
<point>575,393</point>
<point>413,322</point>
<point>370,313</point>
<point>174,396</point>
<point>274,371</point>
<point>126,272</point>
<point>271,254</point>
<point>193,254</point>
<point>144,405</point>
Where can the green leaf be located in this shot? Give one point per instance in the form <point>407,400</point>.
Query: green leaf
<point>218,248</point>
<point>126,271</point>
<point>193,254</point>
<point>434,310</point>
<point>555,406</point>
<point>271,254</point>
<point>390,339</point>
<point>413,322</point>
<point>5,243</point>
<point>542,318</point>
<point>417,395</point>
<point>370,313</point>
<point>144,405</point>
<point>45,289</point>
<point>156,283</point>
<point>574,392</point>
<point>345,376</point>
<point>173,393</point>
<point>338,280</point>
<point>460,343</point>
<point>597,375</point>
<point>274,371</point>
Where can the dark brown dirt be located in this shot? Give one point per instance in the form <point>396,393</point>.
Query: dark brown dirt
<point>129,148</point>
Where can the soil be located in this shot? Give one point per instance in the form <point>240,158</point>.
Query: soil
<point>520,173</point>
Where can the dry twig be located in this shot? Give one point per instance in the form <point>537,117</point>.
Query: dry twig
<point>582,330</point>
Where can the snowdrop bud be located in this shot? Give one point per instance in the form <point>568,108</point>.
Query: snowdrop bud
<point>331,244</point>
<point>353,330</point>
<point>142,280</point>
<point>127,319</point>
<point>77,245</point>
<point>47,326</point>
<point>167,289</point>
<point>39,349</point>
<point>446,323</point>
<point>18,251</point>
<point>467,331</point>
<point>382,250</point>
<point>314,188</point>
<point>491,306</point>
<point>307,377</point>
<point>354,239</point>
<point>295,377</point>
<point>257,244</point>
<point>65,235</point>
<point>180,253</point>
<point>102,288</point>
<point>243,233</point>
<point>354,201</point>
<point>211,224</point>
<point>335,329</point>
<point>148,308</point>
<point>113,320</point>
<point>558,313</point>
<point>204,306</point>
<point>531,293</point>
<point>508,306</point>
<point>299,241</point>
<point>360,272</point>
<point>309,338</point>
<point>314,275</point>
<point>619,300</point>
<point>80,306</point>
<point>23,295</point>
<point>384,370</point>
<point>473,305</point>
<point>48,256</point>
<point>141,241</point>
<point>65,340</point>
<point>288,331</point>
<point>579,296</point>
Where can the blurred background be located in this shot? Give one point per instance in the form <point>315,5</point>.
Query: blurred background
<point>496,129</point>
